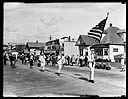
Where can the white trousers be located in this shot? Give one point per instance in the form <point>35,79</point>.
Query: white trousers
<point>59,68</point>
<point>42,66</point>
<point>122,61</point>
<point>91,77</point>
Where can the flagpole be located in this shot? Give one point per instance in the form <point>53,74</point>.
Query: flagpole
<point>102,48</point>
<point>107,14</point>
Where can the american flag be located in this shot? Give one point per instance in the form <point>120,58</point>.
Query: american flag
<point>96,32</point>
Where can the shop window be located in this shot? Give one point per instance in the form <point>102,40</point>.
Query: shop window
<point>115,49</point>
<point>105,51</point>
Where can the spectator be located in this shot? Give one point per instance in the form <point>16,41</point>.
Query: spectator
<point>26,58</point>
<point>5,58</point>
<point>67,59</point>
<point>77,60</point>
<point>10,58</point>
<point>53,60</point>
<point>22,58</point>
<point>81,61</point>
<point>14,60</point>
<point>86,60</point>
<point>72,60</point>
<point>31,61</point>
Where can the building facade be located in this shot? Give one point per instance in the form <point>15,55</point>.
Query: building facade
<point>70,48</point>
<point>52,46</point>
<point>111,44</point>
<point>35,47</point>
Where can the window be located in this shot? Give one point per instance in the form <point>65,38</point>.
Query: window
<point>115,49</point>
<point>86,53</point>
<point>99,52</point>
<point>81,52</point>
<point>54,47</point>
<point>49,47</point>
<point>106,51</point>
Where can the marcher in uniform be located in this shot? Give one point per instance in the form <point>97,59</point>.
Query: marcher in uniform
<point>91,61</point>
<point>42,61</point>
<point>60,63</point>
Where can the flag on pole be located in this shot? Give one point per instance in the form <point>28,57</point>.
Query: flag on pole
<point>96,32</point>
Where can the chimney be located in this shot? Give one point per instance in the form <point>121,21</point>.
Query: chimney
<point>50,38</point>
<point>110,24</point>
<point>37,41</point>
<point>69,38</point>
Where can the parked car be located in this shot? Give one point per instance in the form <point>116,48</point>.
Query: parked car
<point>108,67</point>
<point>98,66</point>
<point>104,66</point>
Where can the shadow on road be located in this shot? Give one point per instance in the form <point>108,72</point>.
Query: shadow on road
<point>83,78</point>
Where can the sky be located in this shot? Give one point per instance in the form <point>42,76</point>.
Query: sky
<point>30,22</point>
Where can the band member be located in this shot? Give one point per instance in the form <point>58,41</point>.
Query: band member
<point>60,63</point>
<point>42,61</point>
<point>91,61</point>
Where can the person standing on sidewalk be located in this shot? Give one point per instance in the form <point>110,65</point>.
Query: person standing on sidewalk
<point>122,63</point>
<point>91,61</point>
<point>42,61</point>
<point>77,60</point>
<point>31,61</point>
<point>10,58</point>
<point>22,58</point>
<point>72,60</point>
<point>5,58</point>
<point>86,60</point>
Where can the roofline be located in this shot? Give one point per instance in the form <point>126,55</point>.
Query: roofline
<point>69,41</point>
<point>51,40</point>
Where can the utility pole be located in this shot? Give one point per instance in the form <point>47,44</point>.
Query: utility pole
<point>50,38</point>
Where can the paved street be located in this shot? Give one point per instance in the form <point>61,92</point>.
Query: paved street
<point>23,81</point>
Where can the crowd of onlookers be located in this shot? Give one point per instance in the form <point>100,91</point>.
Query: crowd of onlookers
<point>51,59</point>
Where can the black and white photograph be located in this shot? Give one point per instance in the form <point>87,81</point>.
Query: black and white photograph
<point>68,49</point>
